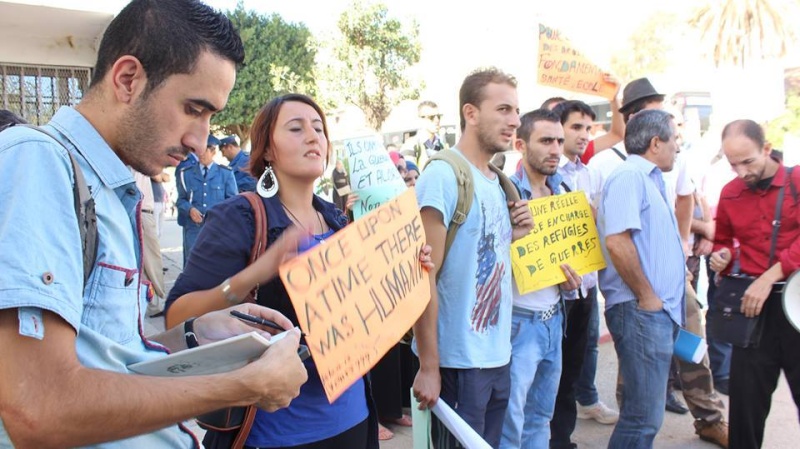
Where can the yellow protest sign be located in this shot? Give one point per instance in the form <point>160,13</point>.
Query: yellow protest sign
<point>561,65</point>
<point>563,232</point>
<point>357,293</point>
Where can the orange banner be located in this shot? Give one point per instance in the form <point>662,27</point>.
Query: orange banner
<point>561,65</point>
<point>357,293</point>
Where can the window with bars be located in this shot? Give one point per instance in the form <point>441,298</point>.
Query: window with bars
<point>36,92</point>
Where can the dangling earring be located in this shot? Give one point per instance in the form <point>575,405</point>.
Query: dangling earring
<point>267,185</point>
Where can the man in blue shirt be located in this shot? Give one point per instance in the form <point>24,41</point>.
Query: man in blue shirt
<point>163,69</point>
<point>201,187</point>
<point>644,281</point>
<point>463,337</point>
<point>239,162</point>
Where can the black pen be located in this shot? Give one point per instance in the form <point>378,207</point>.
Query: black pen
<point>262,321</point>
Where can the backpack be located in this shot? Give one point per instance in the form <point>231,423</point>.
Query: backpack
<point>84,209</point>
<point>466,191</point>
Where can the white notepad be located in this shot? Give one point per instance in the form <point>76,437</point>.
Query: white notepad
<point>218,357</point>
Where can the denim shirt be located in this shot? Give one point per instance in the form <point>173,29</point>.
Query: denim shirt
<point>39,234</point>
<point>553,182</point>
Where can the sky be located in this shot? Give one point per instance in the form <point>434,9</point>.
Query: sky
<point>458,37</point>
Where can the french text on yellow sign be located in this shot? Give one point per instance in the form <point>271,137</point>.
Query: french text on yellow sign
<point>563,233</point>
<point>562,65</point>
<point>357,293</point>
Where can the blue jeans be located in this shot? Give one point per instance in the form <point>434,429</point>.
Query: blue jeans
<point>644,342</point>
<point>585,389</point>
<point>535,373</point>
<point>480,397</point>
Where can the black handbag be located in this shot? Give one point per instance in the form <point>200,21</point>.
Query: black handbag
<point>724,320</point>
<point>228,428</point>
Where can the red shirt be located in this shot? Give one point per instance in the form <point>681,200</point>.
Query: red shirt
<point>746,215</point>
<point>588,153</point>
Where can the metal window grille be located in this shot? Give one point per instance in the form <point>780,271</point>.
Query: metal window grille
<point>36,92</point>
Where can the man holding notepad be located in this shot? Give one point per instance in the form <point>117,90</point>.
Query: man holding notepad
<point>69,334</point>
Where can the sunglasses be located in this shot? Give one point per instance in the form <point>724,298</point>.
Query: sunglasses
<point>431,117</point>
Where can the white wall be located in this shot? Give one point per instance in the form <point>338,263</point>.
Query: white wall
<point>43,35</point>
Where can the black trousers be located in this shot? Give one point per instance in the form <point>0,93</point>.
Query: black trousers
<point>392,378</point>
<point>573,349</point>
<point>755,373</point>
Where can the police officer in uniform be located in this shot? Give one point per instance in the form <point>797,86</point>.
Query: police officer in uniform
<point>190,161</point>
<point>239,163</point>
<point>201,186</point>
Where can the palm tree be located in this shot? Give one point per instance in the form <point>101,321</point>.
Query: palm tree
<point>745,29</point>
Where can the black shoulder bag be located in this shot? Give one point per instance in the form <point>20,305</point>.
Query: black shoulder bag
<point>228,428</point>
<point>724,320</point>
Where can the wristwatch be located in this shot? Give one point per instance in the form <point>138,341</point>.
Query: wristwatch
<point>189,335</point>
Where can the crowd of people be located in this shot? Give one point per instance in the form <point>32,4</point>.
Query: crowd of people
<point>517,367</point>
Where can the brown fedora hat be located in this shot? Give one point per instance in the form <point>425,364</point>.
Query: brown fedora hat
<point>638,90</point>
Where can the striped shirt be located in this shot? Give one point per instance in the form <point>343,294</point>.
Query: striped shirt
<point>634,199</point>
<point>578,176</point>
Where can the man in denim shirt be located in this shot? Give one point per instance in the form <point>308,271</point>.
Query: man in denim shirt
<point>537,317</point>
<point>163,69</point>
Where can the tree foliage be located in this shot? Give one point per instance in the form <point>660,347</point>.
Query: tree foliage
<point>647,48</point>
<point>788,122</point>
<point>279,58</point>
<point>740,30</point>
<point>373,55</point>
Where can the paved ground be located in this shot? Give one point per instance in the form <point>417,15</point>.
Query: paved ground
<point>783,430</point>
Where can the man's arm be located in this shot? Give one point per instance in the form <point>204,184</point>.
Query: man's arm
<point>231,188</point>
<point>49,399</point>
<point>428,382</point>
<point>704,228</point>
<point>183,202</point>
<point>684,206</point>
<point>625,258</point>
<point>615,133</point>
<point>245,182</point>
<point>723,239</point>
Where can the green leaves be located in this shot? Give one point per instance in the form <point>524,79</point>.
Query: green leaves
<point>744,30</point>
<point>372,57</point>
<point>279,58</point>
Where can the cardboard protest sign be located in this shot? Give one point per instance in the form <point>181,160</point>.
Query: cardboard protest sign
<point>563,232</point>
<point>373,176</point>
<point>561,65</point>
<point>357,293</point>
<point>371,198</point>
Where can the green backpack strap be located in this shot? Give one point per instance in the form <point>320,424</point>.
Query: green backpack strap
<point>511,191</point>
<point>466,191</point>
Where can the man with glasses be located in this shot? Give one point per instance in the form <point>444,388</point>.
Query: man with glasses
<point>426,142</point>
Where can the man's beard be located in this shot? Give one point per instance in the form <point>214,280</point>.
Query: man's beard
<point>487,144</point>
<point>136,144</point>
